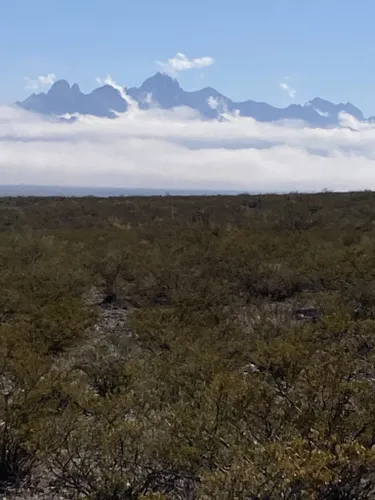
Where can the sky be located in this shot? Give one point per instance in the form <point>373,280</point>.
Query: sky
<point>280,52</point>
<point>267,50</point>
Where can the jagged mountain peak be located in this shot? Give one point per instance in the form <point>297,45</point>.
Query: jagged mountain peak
<point>317,101</point>
<point>165,91</point>
<point>76,89</point>
<point>105,89</point>
<point>323,106</point>
<point>59,87</point>
<point>160,81</point>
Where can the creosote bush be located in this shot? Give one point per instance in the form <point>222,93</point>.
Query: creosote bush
<point>150,350</point>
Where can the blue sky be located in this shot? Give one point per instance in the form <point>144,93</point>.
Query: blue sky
<point>325,47</point>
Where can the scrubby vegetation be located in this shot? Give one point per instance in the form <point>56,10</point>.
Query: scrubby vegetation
<point>150,347</point>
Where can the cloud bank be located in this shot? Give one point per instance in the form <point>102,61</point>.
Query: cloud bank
<point>180,63</point>
<point>175,149</point>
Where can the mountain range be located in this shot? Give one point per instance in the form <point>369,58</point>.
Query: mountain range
<point>165,92</point>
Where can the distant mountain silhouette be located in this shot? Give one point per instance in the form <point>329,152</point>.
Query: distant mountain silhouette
<point>65,99</point>
<point>165,92</point>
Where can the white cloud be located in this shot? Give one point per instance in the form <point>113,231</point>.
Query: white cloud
<point>40,81</point>
<point>286,87</point>
<point>108,80</point>
<point>149,100</point>
<point>220,106</point>
<point>176,149</point>
<point>181,63</point>
<point>321,113</point>
<point>213,102</point>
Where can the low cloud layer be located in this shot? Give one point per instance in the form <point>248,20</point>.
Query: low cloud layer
<point>180,63</point>
<point>176,149</point>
